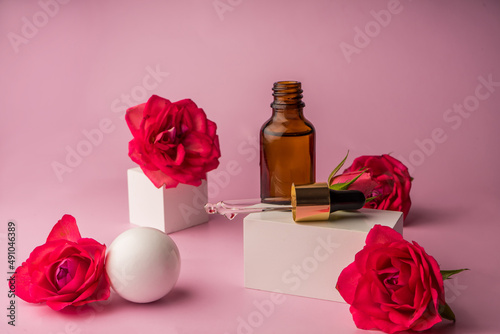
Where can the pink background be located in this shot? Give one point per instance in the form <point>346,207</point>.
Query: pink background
<point>67,68</point>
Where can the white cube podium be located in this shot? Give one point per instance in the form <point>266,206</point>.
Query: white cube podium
<point>168,210</point>
<point>305,259</point>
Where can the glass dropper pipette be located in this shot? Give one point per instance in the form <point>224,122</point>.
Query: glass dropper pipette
<point>311,202</point>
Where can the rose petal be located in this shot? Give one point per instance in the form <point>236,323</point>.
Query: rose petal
<point>357,164</point>
<point>87,292</point>
<point>46,254</point>
<point>364,183</point>
<point>103,289</point>
<point>65,229</point>
<point>23,284</point>
<point>198,144</point>
<point>192,179</point>
<point>403,296</point>
<point>212,164</point>
<point>401,318</point>
<point>138,157</point>
<point>54,252</point>
<point>388,326</point>
<point>404,273</point>
<point>133,117</point>
<point>362,320</point>
<point>165,139</point>
<point>396,163</point>
<point>348,281</point>
<point>433,267</point>
<point>427,319</point>
<point>363,298</point>
<point>180,153</point>
<point>60,302</point>
<point>382,235</point>
<point>379,166</point>
<point>102,292</point>
<point>41,293</point>
<point>96,252</point>
<point>159,178</point>
<point>157,114</point>
<point>91,246</point>
<point>64,273</point>
<point>49,280</point>
<point>380,294</point>
<point>212,131</point>
<point>77,276</point>
<point>165,118</point>
<point>198,118</point>
<point>156,106</point>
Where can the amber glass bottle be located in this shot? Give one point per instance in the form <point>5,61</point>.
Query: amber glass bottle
<point>287,145</point>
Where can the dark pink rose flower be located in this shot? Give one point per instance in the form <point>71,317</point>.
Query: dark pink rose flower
<point>386,180</point>
<point>66,270</point>
<point>393,285</point>
<point>173,142</point>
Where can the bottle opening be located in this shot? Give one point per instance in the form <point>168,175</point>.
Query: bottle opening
<point>287,82</point>
<point>287,93</point>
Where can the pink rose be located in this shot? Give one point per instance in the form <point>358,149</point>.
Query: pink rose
<point>393,285</point>
<point>66,270</point>
<point>386,180</point>
<point>173,142</point>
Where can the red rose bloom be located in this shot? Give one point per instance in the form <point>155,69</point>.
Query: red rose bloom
<point>173,142</point>
<point>392,285</point>
<point>66,270</point>
<point>386,180</point>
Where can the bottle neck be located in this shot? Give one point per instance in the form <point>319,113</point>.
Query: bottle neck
<point>287,96</point>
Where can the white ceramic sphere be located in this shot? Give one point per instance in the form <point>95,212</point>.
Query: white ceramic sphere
<point>143,264</point>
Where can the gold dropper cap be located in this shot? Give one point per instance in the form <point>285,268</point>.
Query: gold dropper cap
<point>310,202</point>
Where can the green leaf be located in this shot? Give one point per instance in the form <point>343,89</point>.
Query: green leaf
<point>448,273</point>
<point>370,198</point>
<point>446,312</point>
<point>339,166</point>
<point>345,185</point>
<point>339,186</point>
<point>357,177</point>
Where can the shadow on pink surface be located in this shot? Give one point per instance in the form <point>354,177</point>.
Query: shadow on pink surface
<point>116,304</point>
<point>422,216</point>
